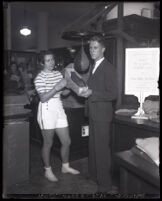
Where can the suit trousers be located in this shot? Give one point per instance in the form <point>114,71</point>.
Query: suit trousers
<point>100,154</point>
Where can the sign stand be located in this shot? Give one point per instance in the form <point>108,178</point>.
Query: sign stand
<point>140,113</point>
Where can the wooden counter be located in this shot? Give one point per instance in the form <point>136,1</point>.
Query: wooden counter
<point>126,130</point>
<point>137,175</point>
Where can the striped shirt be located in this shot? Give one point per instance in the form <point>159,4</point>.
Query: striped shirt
<point>44,82</point>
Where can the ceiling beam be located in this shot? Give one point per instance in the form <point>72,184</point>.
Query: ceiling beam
<point>106,10</point>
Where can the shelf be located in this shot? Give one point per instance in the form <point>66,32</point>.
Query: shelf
<point>136,26</point>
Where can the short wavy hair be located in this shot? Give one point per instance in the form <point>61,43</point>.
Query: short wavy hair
<point>43,53</point>
<point>99,39</point>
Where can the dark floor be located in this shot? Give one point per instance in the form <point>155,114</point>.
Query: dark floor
<point>38,184</point>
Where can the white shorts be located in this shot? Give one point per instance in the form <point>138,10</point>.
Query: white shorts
<point>51,114</point>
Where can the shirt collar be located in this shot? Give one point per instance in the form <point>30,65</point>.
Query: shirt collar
<point>100,60</point>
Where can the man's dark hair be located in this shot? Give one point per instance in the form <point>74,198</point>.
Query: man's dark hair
<point>99,39</point>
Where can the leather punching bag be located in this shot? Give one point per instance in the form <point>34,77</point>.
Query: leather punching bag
<point>81,61</point>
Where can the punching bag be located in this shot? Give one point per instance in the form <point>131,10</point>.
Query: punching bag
<point>81,61</point>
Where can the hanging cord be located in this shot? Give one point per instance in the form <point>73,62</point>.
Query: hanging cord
<point>24,16</point>
<point>82,41</point>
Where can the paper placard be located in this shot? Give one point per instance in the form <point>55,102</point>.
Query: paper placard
<point>142,71</point>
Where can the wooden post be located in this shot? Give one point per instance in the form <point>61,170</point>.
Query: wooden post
<point>7,26</point>
<point>120,54</point>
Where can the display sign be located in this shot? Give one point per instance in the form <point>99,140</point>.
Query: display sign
<point>142,71</point>
<point>141,75</point>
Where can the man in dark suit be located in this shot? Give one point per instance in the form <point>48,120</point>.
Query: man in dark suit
<point>101,93</point>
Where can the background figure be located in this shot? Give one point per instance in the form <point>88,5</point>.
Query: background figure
<point>15,82</point>
<point>27,77</point>
<point>51,116</point>
<point>102,92</point>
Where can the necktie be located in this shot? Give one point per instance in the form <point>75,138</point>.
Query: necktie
<point>93,69</point>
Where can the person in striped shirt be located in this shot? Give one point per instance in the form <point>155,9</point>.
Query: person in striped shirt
<point>51,116</point>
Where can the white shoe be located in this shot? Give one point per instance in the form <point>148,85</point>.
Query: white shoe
<point>69,170</point>
<point>50,176</point>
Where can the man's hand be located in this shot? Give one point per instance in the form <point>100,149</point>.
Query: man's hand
<point>82,90</point>
<point>85,92</point>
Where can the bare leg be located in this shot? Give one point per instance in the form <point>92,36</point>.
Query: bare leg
<point>63,134</point>
<point>47,144</point>
<point>46,150</point>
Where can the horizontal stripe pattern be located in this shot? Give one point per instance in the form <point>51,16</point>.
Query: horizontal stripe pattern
<point>44,81</point>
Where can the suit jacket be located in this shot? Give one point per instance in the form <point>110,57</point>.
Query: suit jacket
<point>104,90</point>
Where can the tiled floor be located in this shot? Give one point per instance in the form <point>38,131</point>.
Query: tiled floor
<point>39,186</point>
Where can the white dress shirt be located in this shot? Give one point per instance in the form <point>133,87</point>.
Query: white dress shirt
<point>97,64</point>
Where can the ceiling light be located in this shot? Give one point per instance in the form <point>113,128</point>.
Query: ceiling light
<point>25,31</point>
<point>72,50</point>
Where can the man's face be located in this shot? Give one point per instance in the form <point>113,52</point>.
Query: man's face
<point>96,50</point>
